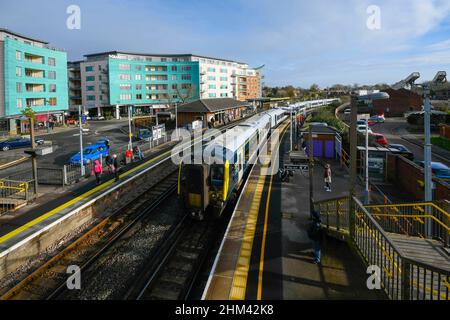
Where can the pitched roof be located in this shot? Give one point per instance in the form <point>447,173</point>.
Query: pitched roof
<point>211,105</point>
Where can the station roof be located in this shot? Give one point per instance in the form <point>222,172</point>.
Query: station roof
<point>211,105</point>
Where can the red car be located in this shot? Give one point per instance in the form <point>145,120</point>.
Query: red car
<point>380,139</point>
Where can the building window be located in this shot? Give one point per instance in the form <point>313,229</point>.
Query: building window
<point>185,77</point>
<point>186,68</point>
<point>18,71</point>
<point>174,86</point>
<point>163,59</point>
<point>89,68</point>
<point>139,96</point>
<point>51,62</point>
<point>52,74</point>
<point>124,66</point>
<point>175,96</point>
<point>223,86</point>
<point>90,88</point>
<point>139,87</point>
<point>52,101</point>
<point>125,96</point>
<point>212,78</point>
<point>138,67</point>
<point>19,103</point>
<point>90,78</point>
<point>174,68</point>
<point>125,86</point>
<point>138,77</point>
<point>223,78</point>
<point>18,55</point>
<point>52,87</point>
<point>18,87</point>
<point>223,70</point>
<point>174,77</point>
<point>212,86</point>
<point>124,77</point>
<point>175,59</point>
<point>224,94</point>
<point>100,97</point>
<point>212,95</point>
<point>186,86</point>
<point>91,98</point>
<point>211,69</point>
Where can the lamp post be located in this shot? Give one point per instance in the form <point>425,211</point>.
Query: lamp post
<point>81,141</point>
<point>176,118</point>
<point>440,77</point>
<point>130,134</point>
<point>366,164</point>
<point>353,147</point>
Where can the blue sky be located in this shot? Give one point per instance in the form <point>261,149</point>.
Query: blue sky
<point>300,42</point>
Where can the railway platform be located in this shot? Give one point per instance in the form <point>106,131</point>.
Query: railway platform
<point>266,253</point>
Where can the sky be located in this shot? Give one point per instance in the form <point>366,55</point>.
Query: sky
<point>299,42</point>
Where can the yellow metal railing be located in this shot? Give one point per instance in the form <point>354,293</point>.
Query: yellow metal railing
<point>401,277</point>
<point>414,219</point>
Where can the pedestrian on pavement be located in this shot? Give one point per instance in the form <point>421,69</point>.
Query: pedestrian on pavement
<point>327,177</point>
<point>110,163</point>
<point>315,233</point>
<point>138,153</point>
<point>116,167</point>
<point>97,170</point>
<point>128,156</point>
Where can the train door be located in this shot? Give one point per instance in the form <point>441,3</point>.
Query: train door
<point>240,164</point>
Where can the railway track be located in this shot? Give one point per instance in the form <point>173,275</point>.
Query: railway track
<point>176,266</point>
<point>49,280</point>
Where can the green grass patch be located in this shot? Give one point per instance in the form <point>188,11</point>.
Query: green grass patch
<point>442,142</point>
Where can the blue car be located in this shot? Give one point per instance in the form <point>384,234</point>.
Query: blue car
<point>19,142</point>
<point>439,169</point>
<point>90,154</point>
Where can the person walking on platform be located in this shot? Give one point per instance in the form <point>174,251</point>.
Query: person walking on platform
<point>110,163</point>
<point>315,233</point>
<point>116,167</point>
<point>327,178</point>
<point>97,170</point>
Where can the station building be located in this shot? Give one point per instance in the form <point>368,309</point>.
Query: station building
<point>400,102</point>
<point>31,74</point>
<point>212,112</point>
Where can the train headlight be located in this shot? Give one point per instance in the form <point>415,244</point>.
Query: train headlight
<point>214,196</point>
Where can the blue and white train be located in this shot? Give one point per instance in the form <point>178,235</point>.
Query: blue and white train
<point>205,188</point>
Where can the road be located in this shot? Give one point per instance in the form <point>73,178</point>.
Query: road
<point>67,143</point>
<point>394,128</point>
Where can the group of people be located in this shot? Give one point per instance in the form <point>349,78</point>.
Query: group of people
<point>113,163</point>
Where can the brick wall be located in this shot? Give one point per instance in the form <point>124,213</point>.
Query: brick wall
<point>409,176</point>
<point>400,101</point>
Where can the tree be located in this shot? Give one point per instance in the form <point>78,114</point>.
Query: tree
<point>29,113</point>
<point>187,94</point>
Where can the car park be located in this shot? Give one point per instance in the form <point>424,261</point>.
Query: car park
<point>90,154</point>
<point>439,169</point>
<point>402,150</point>
<point>18,142</point>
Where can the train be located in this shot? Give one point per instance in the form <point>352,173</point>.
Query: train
<point>206,188</point>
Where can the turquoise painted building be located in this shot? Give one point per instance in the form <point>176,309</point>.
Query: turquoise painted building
<point>33,74</point>
<point>141,83</point>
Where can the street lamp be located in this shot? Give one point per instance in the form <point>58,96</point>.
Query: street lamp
<point>353,144</point>
<point>130,135</point>
<point>81,141</point>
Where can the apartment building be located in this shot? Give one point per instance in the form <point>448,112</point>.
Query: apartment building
<point>74,84</point>
<point>31,74</point>
<point>112,81</point>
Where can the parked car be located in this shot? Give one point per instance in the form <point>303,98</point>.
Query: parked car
<point>104,141</point>
<point>380,139</point>
<point>347,111</point>
<point>70,121</point>
<point>361,128</point>
<point>90,154</point>
<point>377,119</point>
<point>19,142</point>
<point>404,151</point>
<point>439,169</point>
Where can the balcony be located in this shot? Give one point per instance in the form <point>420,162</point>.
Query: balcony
<point>31,87</point>
<point>34,73</point>
<point>32,58</point>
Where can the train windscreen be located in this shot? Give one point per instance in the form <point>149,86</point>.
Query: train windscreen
<point>194,178</point>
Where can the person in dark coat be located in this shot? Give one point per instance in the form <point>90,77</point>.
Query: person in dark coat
<point>116,167</point>
<point>315,233</point>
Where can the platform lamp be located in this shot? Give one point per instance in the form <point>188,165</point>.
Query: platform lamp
<point>439,78</point>
<point>355,98</point>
